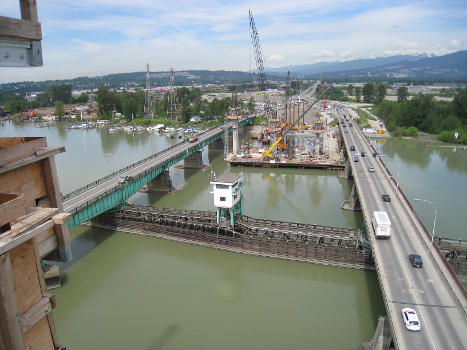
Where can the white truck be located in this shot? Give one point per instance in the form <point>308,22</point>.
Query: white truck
<point>381,224</point>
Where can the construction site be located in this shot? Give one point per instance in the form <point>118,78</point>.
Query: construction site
<point>297,132</point>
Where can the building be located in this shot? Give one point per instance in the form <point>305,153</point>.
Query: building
<point>195,119</point>
<point>227,196</point>
<point>32,227</point>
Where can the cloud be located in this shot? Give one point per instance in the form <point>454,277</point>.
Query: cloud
<point>276,58</point>
<point>89,37</point>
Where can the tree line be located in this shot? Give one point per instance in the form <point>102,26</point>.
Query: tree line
<point>13,103</point>
<point>426,114</point>
<point>188,104</point>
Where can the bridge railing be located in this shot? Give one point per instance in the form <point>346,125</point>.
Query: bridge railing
<point>131,166</point>
<point>425,231</point>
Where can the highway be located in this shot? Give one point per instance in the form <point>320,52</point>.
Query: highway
<point>430,290</point>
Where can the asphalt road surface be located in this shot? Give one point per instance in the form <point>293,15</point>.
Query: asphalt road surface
<point>442,314</point>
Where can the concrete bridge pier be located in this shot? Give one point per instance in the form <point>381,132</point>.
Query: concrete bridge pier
<point>216,145</point>
<point>193,161</point>
<point>161,183</point>
<point>353,203</point>
<point>382,338</point>
<point>347,171</point>
<point>235,140</point>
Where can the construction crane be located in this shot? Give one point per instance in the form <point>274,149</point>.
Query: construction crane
<point>259,63</point>
<point>281,135</point>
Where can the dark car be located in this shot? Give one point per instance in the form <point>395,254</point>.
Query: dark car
<point>363,154</point>
<point>416,260</point>
<point>386,197</point>
<point>352,148</point>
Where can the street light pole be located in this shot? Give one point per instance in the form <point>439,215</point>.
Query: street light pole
<point>436,212</point>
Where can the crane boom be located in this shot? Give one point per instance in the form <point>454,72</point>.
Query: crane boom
<point>282,135</point>
<point>259,62</point>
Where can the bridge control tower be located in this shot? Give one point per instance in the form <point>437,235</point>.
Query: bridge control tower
<point>227,190</point>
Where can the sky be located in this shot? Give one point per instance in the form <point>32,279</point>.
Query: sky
<point>98,37</point>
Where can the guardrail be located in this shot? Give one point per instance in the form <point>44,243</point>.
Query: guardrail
<point>149,158</point>
<point>414,213</point>
<point>131,166</point>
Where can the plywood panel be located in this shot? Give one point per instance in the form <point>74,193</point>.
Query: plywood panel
<point>39,336</point>
<point>51,181</point>
<point>28,180</point>
<point>46,242</point>
<point>11,334</point>
<point>27,284</point>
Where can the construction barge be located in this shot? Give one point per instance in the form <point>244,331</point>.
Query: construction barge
<point>285,163</point>
<point>326,245</point>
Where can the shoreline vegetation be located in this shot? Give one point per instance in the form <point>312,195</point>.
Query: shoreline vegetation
<point>410,115</point>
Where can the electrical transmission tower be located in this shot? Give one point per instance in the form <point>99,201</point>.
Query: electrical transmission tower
<point>148,96</point>
<point>322,92</point>
<point>172,108</point>
<point>260,67</point>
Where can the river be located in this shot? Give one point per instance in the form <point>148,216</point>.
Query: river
<point>123,290</point>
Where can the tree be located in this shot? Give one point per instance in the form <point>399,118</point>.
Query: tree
<point>460,106</point>
<point>83,98</point>
<point>380,93</point>
<point>59,109</point>
<point>15,103</point>
<point>59,93</point>
<point>402,94</point>
<point>358,94</point>
<point>41,100</point>
<point>369,92</point>
<point>350,89</point>
<point>251,105</point>
<point>106,101</point>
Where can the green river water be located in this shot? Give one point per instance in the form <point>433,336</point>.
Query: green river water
<point>129,291</point>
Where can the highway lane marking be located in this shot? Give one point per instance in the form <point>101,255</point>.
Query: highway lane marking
<point>385,184</point>
<point>422,304</point>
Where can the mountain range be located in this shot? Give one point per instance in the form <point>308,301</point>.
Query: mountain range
<point>450,67</point>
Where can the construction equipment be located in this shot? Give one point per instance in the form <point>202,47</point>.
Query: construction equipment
<point>272,116</point>
<point>281,134</point>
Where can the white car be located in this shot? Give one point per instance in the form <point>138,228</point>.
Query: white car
<point>410,319</point>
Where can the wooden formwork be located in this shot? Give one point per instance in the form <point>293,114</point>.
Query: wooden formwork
<point>32,226</point>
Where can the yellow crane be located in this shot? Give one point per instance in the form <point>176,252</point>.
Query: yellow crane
<point>281,134</point>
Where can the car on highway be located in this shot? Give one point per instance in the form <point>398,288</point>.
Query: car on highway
<point>352,148</point>
<point>127,178</point>
<point>386,197</point>
<point>416,260</point>
<point>410,318</point>
<point>355,158</point>
<point>371,169</point>
<point>363,154</point>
